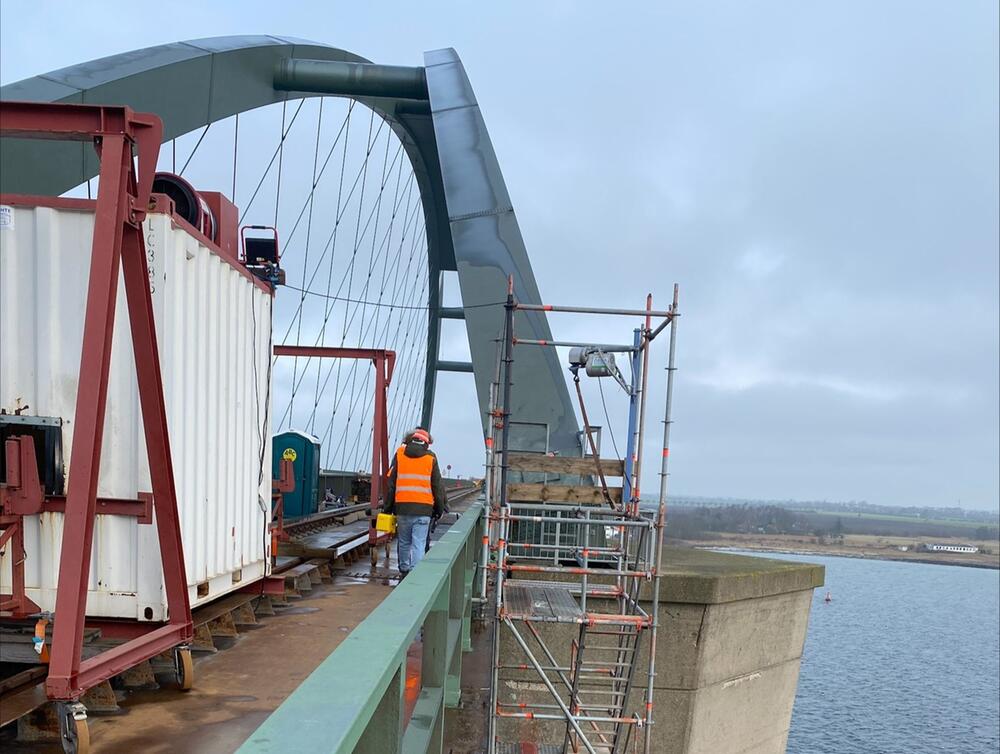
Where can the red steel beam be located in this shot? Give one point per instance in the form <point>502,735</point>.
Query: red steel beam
<point>119,135</point>
<point>332,352</point>
<point>142,508</point>
<point>154,422</point>
<point>23,495</point>
<point>268,585</point>
<point>91,403</point>
<point>385,362</point>
<point>17,602</point>
<point>43,120</point>
<point>62,122</point>
<point>116,660</point>
<point>380,444</point>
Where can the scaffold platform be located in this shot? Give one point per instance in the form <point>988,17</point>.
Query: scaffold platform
<point>568,554</point>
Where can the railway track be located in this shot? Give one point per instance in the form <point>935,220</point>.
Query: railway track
<point>324,520</point>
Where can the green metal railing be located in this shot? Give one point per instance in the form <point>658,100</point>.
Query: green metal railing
<point>353,702</point>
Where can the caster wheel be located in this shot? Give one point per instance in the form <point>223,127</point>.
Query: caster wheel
<point>184,668</point>
<point>73,727</point>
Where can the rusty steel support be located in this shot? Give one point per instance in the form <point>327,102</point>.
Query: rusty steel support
<point>21,495</point>
<point>384,362</point>
<point>284,484</point>
<point>118,135</point>
<point>16,603</point>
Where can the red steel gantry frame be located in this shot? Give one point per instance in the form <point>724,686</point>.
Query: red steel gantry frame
<point>384,362</point>
<point>117,134</point>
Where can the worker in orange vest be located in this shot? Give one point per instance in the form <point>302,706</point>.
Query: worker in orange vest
<point>415,494</point>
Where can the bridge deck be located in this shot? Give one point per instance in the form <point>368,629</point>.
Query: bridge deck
<point>237,688</point>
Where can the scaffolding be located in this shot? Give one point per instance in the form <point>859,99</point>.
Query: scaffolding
<point>573,570</point>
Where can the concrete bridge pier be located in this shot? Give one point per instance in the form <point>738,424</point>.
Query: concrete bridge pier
<point>731,638</point>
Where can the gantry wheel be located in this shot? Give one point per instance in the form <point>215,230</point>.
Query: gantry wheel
<point>73,727</point>
<point>184,668</point>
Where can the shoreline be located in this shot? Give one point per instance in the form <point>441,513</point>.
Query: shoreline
<point>835,553</point>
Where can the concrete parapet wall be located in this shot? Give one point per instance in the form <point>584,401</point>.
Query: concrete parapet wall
<point>731,634</point>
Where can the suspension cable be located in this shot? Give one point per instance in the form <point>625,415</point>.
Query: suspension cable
<point>350,316</point>
<point>399,410</point>
<point>274,156</point>
<point>281,155</point>
<point>305,204</point>
<point>354,253</point>
<point>607,419</point>
<point>309,222</point>
<point>198,144</point>
<point>417,307</point>
<point>381,289</point>
<point>401,353</point>
<point>328,305</point>
<point>338,396</point>
<point>361,393</point>
<point>386,329</point>
<point>236,146</point>
<point>298,311</point>
<point>331,367</point>
<point>389,229</point>
<point>408,390</point>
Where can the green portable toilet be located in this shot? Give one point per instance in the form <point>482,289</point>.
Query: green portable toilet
<point>303,449</point>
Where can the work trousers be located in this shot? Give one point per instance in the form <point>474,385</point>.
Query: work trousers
<point>411,540</point>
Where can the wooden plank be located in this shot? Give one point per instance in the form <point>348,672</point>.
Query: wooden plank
<point>217,608</point>
<point>334,536</point>
<point>302,551</point>
<point>25,634</point>
<point>25,676</point>
<point>302,569</point>
<point>22,700</point>
<point>562,493</point>
<point>565,464</point>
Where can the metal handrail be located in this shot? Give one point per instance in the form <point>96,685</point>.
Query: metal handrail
<point>354,700</point>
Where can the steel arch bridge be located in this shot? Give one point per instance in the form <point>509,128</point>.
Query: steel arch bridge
<point>468,215</point>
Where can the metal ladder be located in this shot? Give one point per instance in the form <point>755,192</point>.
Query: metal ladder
<point>603,669</point>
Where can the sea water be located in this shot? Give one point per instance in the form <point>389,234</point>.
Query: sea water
<point>905,658</point>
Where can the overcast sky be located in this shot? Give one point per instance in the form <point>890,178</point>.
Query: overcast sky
<point>822,179</point>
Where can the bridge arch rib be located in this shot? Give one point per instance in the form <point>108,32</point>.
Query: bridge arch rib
<point>471,227</point>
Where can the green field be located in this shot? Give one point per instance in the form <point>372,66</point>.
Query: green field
<point>887,517</point>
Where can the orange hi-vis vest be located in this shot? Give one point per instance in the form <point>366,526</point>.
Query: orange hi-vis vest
<point>413,478</point>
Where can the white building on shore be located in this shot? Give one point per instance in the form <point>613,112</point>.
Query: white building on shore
<point>952,548</point>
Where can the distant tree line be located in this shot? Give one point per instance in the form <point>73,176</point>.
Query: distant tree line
<point>703,522</point>
<point>851,507</point>
<point>987,532</point>
<point>706,522</point>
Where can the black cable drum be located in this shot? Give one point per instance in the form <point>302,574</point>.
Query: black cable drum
<point>188,203</point>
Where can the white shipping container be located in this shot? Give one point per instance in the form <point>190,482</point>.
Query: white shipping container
<point>214,332</point>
